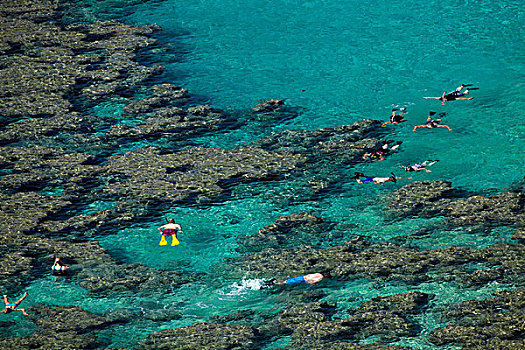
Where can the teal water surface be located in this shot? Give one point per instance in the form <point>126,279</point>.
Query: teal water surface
<point>339,62</point>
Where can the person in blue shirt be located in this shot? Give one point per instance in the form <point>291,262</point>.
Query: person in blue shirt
<point>311,278</point>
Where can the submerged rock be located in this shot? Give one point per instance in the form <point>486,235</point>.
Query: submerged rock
<point>193,175</point>
<point>204,336</point>
<point>289,230</point>
<point>385,318</point>
<point>163,96</point>
<point>519,234</point>
<point>431,198</point>
<point>494,323</point>
<point>343,144</point>
<point>173,123</point>
<point>268,106</point>
<point>65,327</point>
<point>32,129</point>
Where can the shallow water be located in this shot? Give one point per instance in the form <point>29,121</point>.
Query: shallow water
<point>353,60</point>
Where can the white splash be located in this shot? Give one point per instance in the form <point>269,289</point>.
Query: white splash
<point>243,287</point>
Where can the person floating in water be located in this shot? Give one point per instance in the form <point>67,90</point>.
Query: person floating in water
<point>396,118</point>
<point>170,229</point>
<point>454,95</point>
<point>312,278</point>
<point>420,166</point>
<point>385,150</point>
<point>58,268</point>
<point>430,124</point>
<point>13,306</point>
<point>376,180</point>
<point>374,155</point>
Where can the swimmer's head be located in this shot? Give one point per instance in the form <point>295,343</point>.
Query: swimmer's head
<point>171,221</point>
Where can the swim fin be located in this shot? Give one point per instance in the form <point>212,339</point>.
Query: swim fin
<point>163,241</point>
<point>466,85</point>
<point>174,241</point>
<point>473,88</point>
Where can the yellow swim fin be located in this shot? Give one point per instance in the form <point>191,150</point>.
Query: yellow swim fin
<point>174,241</point>
<point>163,241</point>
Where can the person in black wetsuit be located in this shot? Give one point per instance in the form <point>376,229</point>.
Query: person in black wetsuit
<point>396,118</point>
<point>457,94</point>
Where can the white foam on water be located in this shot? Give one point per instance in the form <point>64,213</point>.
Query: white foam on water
<point>243,287</point>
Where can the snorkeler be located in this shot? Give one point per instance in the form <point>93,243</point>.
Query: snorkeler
<point>170,229</point>
<point>396,118</point>
<point>454,95</point>
<point>374,155</point>
<point>376,180</point>
<point>420,166</point>
<point>430,124</point>
<point>312,278</point>
<point>385,150</point>
<point>58,268</point>
<point>13,306</point>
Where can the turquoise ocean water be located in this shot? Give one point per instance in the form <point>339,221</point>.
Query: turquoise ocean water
<point>339,62</point>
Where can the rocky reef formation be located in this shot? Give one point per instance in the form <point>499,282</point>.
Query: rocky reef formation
<point>344,144</point>
<point>47,63</point>
<point>65,327</point>
<point>193,175</point>
<point>431,198</point>
<point>204,336</point>
<point>385,318</point>
<point>287,231</point>
<point>494,323</point>
<point>58,156</point>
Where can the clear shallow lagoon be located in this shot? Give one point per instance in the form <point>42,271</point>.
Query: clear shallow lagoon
<point>353,60</point>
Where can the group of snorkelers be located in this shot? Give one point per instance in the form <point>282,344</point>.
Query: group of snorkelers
<point>395,118</point>
<point>458,94</point>
<point>171,228</point>
<point>387,148</point>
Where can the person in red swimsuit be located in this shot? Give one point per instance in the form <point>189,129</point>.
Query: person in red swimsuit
<point>171,229</point>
